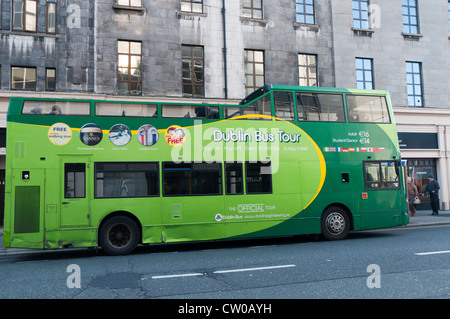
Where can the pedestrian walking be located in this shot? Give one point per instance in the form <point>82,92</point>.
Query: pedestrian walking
<point>432,188</point>
<point>412,194</point>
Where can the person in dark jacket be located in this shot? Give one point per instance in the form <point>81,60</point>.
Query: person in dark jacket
<point>432,188</point>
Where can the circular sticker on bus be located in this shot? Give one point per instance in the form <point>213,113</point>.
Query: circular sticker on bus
<point>60,134</point>
<point>120,134</point>
<point>175,135</point>
<point>147,135</point>
<point>91,134</point>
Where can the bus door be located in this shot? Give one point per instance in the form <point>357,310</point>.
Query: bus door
<point>27,225</point>
<point>381,201</point>
<point>75,190</point>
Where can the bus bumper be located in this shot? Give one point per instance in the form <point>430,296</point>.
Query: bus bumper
<point>6,239</point>
<point>405,219</point>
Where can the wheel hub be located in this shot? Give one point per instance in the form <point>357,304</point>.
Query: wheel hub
<point>119,235</point>
<point>336,223</point>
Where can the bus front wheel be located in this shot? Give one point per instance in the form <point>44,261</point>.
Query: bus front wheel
<point>119,235</point>
<point>335,223</point>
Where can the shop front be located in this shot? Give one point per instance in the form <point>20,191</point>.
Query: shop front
<point>424,138</point>
<point>419,170</point>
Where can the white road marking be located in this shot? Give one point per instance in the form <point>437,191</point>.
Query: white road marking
<point>433,253</point>
<point>252,269</point>
<point>177,276</point>
<point>222,272</point>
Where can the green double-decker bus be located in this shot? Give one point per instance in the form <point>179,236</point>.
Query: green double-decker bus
<point>286,161</point>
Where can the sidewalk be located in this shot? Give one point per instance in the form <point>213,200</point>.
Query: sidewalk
<point>422,218</point>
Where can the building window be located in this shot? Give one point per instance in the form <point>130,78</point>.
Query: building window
<point>418,170</point>
<point>449,15</point>
<point>51,16</point>
<point>24,15</point>
<point>254,70</point>
<point>130,3</point>
<point>195,6</point>
<point>129,67</point>
<point>360,14</point>
<point>307,70</point>
<point>1,14</point>
<point>364,74</point>
<point>193,71</point>
<point>305,11</point>
<point>410,17</point>
<point>50,79</point>
<point>414,83</point>
<point>252,9</point>
<point>23,78</point>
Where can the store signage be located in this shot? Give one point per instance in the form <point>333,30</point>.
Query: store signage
<point>418,140</point>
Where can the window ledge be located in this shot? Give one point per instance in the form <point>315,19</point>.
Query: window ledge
<point>261,22</point>
<point>412,36</point>
<point>128,8</point>
<point>306,26</point>
<point>363,32</point>
<point>31,34</point>
<point>190,15</point>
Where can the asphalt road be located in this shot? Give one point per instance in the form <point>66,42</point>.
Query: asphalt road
<point>394,263</point>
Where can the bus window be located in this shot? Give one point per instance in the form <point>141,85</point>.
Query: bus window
<point>320,107</point>
<point>389,175</point>
<point>284,105</point>
<point>258,177</point>
<point>126,179</point>
<point>234,181</point>
<point>260,106</point>
<point>368,109</point>
<point>190,111</point>
<point>381,175</point>
<point>232,111</point>
<point>74,180</point>
<point>126,109</point>
<point>192,179</point>
<point>56,108</point>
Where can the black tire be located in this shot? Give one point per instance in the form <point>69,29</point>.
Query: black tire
<point>335,223</point>
<point>119,235</point>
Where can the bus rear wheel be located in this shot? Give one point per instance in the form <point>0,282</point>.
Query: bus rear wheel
<point>119,235</point>
<point>335,223</point>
